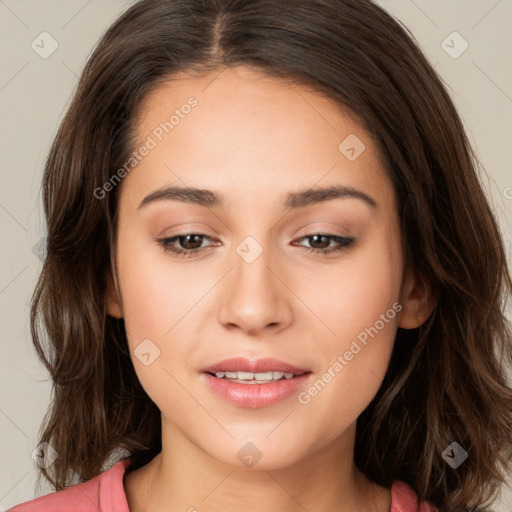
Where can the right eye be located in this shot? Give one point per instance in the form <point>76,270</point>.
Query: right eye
<point>185,240</point>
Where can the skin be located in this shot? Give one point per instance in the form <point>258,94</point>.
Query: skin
<point>254,139</point>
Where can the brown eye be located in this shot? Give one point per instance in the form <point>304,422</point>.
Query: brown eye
<point>189,244</point>
<point>320,243</point>
<point>190,241</point>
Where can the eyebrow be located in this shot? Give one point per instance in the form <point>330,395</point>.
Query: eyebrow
<point>294,200</point>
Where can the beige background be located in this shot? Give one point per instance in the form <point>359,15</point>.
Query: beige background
<point>35,91</point>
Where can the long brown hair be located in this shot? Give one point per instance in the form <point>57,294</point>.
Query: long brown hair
<point>447,380</point>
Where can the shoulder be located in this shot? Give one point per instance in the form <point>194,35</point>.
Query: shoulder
<point>404,499</point>
<point>103,493</point>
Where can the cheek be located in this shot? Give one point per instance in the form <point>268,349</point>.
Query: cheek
<point>359,309</point>
<point>155,293</point>
<point>159,306</point>
<point>352,295</point>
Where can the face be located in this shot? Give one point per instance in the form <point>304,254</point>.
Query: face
<point>269,266</point>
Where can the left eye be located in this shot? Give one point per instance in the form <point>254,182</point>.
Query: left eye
<point>341,241</point>
<point>191,243</point>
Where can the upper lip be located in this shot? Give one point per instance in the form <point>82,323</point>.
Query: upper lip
<point>242,364</point>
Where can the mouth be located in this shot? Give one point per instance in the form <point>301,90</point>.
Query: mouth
<point>255,378</point>
<point>254,383</point>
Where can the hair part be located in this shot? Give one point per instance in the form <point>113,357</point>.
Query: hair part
<point>447,380</point>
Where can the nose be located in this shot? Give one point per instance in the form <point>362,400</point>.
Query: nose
<point>255,296</point>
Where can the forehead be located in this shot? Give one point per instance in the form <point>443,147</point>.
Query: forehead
<point>265,105</point>
<point>250,131</point>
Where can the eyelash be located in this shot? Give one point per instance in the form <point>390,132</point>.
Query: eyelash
<point>343,242</point>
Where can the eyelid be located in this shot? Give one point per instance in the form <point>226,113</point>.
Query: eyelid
<point>187,228</point>
<point>333,228</point>
<point>319,231</point>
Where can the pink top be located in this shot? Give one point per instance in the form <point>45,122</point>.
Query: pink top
<point>105,493</point>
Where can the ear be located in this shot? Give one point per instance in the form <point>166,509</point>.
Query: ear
<point>113,297</point>
<point>417,302</point>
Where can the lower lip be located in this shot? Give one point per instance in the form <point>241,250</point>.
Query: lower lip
<point>255,395</point>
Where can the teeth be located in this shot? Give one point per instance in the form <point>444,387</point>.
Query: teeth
<point>250,377</point>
